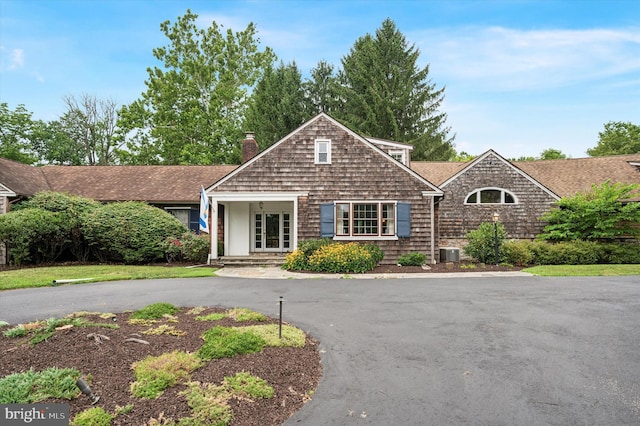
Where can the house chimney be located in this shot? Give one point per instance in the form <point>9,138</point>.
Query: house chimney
<point>249,147</point>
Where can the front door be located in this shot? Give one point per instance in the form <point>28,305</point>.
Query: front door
<point>271,231</point>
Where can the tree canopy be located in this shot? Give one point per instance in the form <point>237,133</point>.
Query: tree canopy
<point>193,109</point>
<point>617,138</point>
<point>385,94</point>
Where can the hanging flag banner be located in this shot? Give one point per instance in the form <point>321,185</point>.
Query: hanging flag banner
<point>204,212</point>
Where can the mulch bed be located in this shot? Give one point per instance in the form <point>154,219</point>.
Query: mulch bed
<point>443,268</point>
<point>292,372</point>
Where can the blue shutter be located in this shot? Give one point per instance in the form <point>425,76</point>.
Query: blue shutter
<point>194,220</point>
<point>327,212</point>
<point>404,219</point>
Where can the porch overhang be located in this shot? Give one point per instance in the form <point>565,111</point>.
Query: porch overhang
<point>217,198</point>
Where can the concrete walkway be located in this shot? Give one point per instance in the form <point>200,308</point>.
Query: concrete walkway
<point>274,272</point>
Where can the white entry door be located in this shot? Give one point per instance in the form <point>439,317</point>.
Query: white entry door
<point>272,231</point>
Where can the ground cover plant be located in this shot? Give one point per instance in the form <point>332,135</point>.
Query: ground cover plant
<point>158,379</point>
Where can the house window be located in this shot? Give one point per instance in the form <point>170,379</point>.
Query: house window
<point>398,155</point>
<point>491,196</point>
<point>365,219</point>
<point>323,151</point>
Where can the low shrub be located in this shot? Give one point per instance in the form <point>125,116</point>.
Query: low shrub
<point>412,259</point>
<point>295,261</point>
<point>517,252</point>
<point>376,252</point>
<point>154,374</point>
<point>225,342</point>
<point>34,386</point>
<point>130,232</point>
<point>566,253</point>
<point>244,385</point>
<point>95,416</point>
<point>481,242</point>
<point>308,247</point>
<point>342,258</point>
<point>154,311</point>
<point>622,253</point>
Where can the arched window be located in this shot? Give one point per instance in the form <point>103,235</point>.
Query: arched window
<point>491,196</point>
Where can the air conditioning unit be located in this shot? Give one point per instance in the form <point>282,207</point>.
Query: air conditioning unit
<point>449,254</point>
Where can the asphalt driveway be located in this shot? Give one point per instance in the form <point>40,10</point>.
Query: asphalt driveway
<point>426,351</point>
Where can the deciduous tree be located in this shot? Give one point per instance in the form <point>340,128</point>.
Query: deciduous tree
<point>16,134</point>
<point>193,109</point>
<point>617,138</point>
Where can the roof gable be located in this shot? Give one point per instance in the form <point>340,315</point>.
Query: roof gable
<point>491,153</point>
<point>21,179</point>
<point>278,166</point>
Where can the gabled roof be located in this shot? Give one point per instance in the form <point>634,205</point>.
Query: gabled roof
<point>362,139</point>
<point>570,176</point>
<point>392,144</point>
<point>22,179</point>
<point>155,184</point>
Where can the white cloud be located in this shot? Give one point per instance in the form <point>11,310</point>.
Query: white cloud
<point>11,59</point>
<point>505,59</point>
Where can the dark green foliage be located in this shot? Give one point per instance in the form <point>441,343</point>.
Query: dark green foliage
<point>73,208</point>
<point>225,342</point>
<point>130,232</point>
<point>517,252</point>
<point>481,242</point>
<point>154,311</point>
<point>308,247</point>
<point>567,253</point>
<point>601,214</point>
<point>624,253</point>
<point>412,259</point>
<point>277,105</point>
<point>386,94</point>
<point>34,235</point>
<point>376,252</point>
<point>617,138</point>
<point>188,248</point>
<point>34,386</point>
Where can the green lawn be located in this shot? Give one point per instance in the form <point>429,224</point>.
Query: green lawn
<point>42,277</point>
<point>583,270</point>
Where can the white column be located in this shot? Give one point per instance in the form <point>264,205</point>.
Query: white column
<point>214,230</point>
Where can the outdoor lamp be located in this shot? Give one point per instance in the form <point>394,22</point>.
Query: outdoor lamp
<point>496,218</point>
<point>85,389</point>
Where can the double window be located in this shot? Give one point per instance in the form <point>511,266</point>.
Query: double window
<point>365,219</point>
<point>491,196</point>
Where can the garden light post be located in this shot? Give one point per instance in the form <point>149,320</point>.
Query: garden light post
<point>496,218</point>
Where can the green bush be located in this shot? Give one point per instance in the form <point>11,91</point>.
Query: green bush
<point>622,253</point>
<point>95,416</point>
<point>412,259</point>
<point>481,242</point>
<point>225,342</point>
<point>34,386</point>
<point>130,232</point>
<point>308,247</point>
<point>73,208</point>
<point>566,253</point>
<point>34,235</point>
<point>154,311</point>
<point>341,258</point>
<point>376,252</point>
<point>295,261</point>
<point>517,252</point>
<point>189,247</point>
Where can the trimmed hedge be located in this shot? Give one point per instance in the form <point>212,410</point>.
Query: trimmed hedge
<point>569,253</point>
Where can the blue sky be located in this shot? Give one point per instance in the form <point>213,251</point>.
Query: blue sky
<point>519,76</point>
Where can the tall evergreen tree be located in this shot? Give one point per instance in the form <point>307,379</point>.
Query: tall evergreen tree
<point>277,104</point>
<point>193,109</point>
<point>321,90</point>
<point>387,95</point>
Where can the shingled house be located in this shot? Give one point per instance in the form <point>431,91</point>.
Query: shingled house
<point>324,180</point>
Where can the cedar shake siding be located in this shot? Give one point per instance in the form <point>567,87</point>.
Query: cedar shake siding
<point>357,172</point>
<point>520,219</point>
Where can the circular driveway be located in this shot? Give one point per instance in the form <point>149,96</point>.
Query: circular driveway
<point>425,351</point>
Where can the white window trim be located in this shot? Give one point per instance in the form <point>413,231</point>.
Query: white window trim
<point>317,151</point>
<point>353,237</point>
<point>491,188</point>
<point>401,152</point>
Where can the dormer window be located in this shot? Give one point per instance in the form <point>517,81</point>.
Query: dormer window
<point>398,155</point>
<point>491,196</point>
<point>323,151</point>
